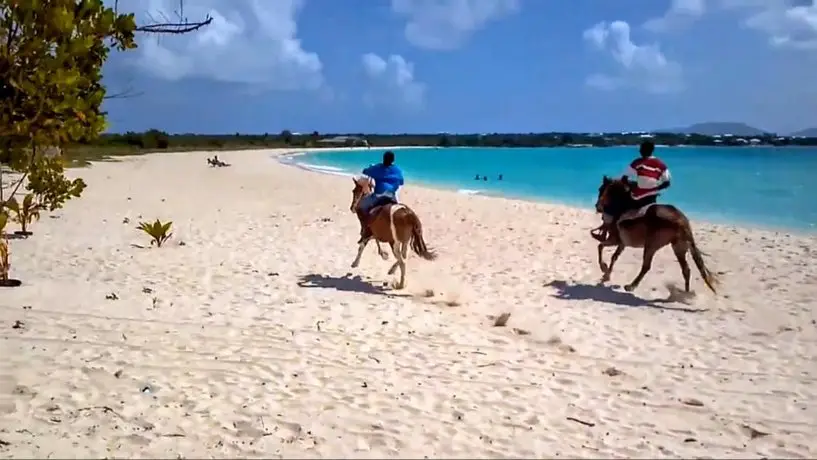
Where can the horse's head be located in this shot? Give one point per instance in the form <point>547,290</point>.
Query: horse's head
<point>363,187</point>
<point>612,191</point>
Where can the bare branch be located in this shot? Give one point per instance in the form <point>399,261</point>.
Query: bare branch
<point>181,26</point>
<point>174,28</point>
<point>178,27</point>
<point>127,93</point>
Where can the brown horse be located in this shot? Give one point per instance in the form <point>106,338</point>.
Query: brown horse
<point>391,223</point>
<point>651,227</point>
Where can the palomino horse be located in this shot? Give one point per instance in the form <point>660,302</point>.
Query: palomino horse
<point>651,228</point>
<point>391,223</point>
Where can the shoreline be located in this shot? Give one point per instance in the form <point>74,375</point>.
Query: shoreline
<point>248,334</point>
<point>287,159</point>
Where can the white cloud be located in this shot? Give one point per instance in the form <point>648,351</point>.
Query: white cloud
<point>640,66</point>
<point>788,24</point>
<point>392,82</point>
<point>680,13</point>
<point>447,24</point>
<point>252,42</point>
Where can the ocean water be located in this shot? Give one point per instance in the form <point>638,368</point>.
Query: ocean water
<point>761,186</point>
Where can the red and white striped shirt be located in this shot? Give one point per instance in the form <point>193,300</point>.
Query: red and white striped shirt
<point>649,173</point>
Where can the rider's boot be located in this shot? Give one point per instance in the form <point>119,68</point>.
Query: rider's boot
<point>611,233</point>
<point>600,233</point>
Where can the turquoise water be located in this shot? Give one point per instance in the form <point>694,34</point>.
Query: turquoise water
<point>763,186</point>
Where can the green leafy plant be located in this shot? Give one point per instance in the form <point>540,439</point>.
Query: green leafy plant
<point>47,181</point>
<point>51,84</point>
<point>24,213</point>
<point>158,231</point>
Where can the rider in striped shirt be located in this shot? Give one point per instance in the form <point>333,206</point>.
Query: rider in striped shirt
<point>649,176</point>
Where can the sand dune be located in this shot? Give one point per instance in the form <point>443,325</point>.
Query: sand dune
<point>256,339</point>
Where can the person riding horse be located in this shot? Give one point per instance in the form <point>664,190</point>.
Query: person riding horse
<point>652,176</point>
<point>388,178</point>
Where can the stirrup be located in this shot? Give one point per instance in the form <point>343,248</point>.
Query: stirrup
<point>597,237</point>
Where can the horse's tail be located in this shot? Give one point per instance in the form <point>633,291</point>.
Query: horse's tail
<point>710,279</point>
<point>418,244</point>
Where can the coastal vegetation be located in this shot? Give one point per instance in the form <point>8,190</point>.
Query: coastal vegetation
<point>50,82</point>
<point>134,143</point>
<point>51,95</point>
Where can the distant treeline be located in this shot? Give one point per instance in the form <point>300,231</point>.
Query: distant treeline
<point>158,140</point>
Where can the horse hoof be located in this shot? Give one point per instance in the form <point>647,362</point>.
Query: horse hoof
<point>604,279</point>
<point>355,264</point>
<point>384,255</point>
<point>629,288</point>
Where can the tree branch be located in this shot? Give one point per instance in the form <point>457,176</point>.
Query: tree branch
<point>124,94</point>
<point>181,26</point>
<point>178,27</point>
<point>174,28</point>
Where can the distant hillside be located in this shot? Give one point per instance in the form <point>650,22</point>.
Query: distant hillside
<point>810,132</point>
<point>712,129</point>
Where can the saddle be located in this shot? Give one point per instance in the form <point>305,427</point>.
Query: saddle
<point>380,202</point>
<point>635,213</point>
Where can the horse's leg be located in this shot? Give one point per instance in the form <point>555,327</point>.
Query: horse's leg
<point>366,232</point>
<point>404,252</point>
<point>680,249</point>
<point>646,263</point>
<point>606,277</point>
<point>393,268</point>
<point>383,254</point>
<point>360,247</point>
<point>398,254</point>
<point>603,266</point>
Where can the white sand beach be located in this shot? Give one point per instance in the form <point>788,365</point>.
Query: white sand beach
<point>255,339</point>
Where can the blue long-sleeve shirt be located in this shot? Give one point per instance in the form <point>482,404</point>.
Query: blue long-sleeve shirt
<point>387,179</point>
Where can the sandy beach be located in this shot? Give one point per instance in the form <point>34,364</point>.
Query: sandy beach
<point>254,338</point>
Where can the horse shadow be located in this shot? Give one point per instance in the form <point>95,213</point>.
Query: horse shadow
<point>607,294</point>
<point>346,283</point>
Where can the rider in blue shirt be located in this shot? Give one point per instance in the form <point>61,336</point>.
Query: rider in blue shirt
<point>387,180</point>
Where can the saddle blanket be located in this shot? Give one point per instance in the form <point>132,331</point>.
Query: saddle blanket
<point>636,213</point>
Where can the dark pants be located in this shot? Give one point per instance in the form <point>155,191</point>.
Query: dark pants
<point>367,205</point>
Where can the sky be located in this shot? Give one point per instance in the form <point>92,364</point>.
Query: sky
<point>468,66</point>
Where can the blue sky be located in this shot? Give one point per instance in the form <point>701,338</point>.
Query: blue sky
<point>470,66</point>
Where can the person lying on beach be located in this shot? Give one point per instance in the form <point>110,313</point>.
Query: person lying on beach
<point>388,178</point>
<point>216,162</point>
<point>652,176</point>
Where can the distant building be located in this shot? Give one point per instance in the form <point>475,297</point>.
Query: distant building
<point>347,141</point>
